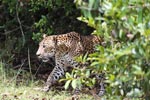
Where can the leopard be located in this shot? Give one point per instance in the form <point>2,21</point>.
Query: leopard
<point>64,48</point>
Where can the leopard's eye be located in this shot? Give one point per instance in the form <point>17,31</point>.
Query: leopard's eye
<point>44,46</point>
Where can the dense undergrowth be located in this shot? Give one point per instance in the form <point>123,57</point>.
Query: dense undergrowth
<point>125,58</point>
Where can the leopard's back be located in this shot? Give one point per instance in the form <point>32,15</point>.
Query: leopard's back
<point>79,44</point>
<point>89,42</point>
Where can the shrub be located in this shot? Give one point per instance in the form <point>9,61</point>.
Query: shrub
<point>125,59</point>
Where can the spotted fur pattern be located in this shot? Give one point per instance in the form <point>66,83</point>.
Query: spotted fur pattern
<point>64,48</point>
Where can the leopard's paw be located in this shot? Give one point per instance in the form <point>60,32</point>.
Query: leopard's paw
<point>101,93</point>
<point>75,97</point>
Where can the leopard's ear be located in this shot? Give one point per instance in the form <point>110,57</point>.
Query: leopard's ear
<point>44,35</point>
<point>55,39</point>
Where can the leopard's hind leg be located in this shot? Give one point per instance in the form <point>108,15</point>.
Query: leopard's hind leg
<point>101,84</point>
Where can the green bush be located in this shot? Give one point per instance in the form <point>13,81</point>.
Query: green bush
<point>125,27</point>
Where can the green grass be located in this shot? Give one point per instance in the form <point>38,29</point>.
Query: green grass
<point>11,92</point>
<point>14,87</point>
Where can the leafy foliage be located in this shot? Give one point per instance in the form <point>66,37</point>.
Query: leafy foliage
<point>126,57</point>
<point>124,25</point>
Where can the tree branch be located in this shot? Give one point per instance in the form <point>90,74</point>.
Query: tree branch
<point>20,25</point>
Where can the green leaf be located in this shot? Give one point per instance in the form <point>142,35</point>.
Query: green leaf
<point>121,33</point>
<point>93,81</point>
<point>91,3</point>
<point>67,84</point>
<point>74,83</point>
<point>112,77</point>
<point>147,33</point>
<point>87,73</point>
<point>140,15</point>
<point>68,75</point>
<point>95,63</point>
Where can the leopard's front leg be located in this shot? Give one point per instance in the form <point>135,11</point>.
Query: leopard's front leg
<point>54,76</point>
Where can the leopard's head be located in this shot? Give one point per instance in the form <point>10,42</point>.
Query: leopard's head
<point>47,48</point>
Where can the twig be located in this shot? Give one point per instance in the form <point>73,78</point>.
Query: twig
<point>7,32</point>
<point>20,25</point>
<point>29,62</point>
<point>28,27</point>
<point>37,70</point>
